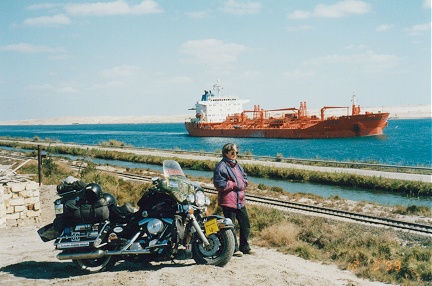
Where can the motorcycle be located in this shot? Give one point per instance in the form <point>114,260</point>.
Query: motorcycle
<point>170,224</point>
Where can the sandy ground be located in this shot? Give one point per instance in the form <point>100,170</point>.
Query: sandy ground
<point>410,111</point>
<point>26,260</point>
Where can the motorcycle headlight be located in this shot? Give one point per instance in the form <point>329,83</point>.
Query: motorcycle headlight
<point>190,198</point>
<point>207,201</point>
<point>154,226</point>
<point>200,198</point>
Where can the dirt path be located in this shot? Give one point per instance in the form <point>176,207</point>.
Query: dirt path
<point>26,260</point>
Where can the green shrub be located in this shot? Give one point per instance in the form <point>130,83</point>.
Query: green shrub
<point>412,210</point>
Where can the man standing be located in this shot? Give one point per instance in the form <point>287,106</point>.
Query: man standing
<point>230,180</point>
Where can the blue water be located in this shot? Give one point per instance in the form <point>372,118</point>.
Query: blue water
<point>406,141</point>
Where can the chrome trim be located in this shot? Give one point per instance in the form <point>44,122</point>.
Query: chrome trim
<point>199,231</point>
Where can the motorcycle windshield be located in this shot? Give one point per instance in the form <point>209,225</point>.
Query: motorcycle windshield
<point>172,168</point>
<point>176,182</point>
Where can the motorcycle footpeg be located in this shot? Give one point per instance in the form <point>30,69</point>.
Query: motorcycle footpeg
<point>182,254</point>
<point>118,243</point>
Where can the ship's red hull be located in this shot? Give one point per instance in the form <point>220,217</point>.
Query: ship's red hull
<point>340,127</point>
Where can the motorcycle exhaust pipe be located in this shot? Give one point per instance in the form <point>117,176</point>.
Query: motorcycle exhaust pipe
<point>99,254</point>
<point>85,255</point>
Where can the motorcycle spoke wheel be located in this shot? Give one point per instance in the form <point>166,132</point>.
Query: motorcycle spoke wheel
<point>95,265</point>
<point>218,253</point>
<point>210,250</point>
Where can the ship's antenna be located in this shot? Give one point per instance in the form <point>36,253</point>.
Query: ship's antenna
<point>217,87</point>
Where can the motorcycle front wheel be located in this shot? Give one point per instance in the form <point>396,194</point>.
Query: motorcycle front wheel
<point>95,265</point>
<point>218,253</point>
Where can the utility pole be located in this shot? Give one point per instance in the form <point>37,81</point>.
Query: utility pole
<point>40,164</point>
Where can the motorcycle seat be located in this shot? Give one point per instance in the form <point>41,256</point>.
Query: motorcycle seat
<point>121,213</point>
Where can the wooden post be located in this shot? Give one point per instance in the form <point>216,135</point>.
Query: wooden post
<point>40,164</point>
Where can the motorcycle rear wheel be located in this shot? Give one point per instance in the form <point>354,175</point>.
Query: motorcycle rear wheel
<point>218,253</point>
<point>95,265</point>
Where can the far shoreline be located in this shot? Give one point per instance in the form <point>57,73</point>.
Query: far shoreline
<point>144,122</point>
<point>396,112</point>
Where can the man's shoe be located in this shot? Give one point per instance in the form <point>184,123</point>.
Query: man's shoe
<point>247,250</point>
<point>250,251</point>
<point>238,254</point>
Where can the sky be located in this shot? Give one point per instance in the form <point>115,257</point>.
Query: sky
<point>156,57</point>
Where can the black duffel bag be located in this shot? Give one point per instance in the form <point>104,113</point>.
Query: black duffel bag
<point>91,212</point>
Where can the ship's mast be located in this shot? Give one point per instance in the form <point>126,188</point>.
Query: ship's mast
<point>217,87</point>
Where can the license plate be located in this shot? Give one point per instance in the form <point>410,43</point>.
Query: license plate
<point>76,236</point>
<point>58,209</point>
<point>211,226</point>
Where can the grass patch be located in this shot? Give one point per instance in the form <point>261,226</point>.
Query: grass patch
<point>412,210</point>
<point>373,253</point>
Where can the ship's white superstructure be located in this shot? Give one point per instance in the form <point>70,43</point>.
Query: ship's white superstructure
<point>214,107</point>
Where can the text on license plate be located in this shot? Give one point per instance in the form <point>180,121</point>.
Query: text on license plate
<point>211,226</point>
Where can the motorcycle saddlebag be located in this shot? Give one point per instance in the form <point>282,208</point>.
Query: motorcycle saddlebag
<point>48,232</point>
<point>69,203</point>
<point>92,213</point>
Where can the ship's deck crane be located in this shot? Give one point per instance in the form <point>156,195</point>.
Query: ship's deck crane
<point>328,107</point>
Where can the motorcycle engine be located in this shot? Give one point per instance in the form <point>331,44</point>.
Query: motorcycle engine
<point>157,231</point>
<point>155,226</point>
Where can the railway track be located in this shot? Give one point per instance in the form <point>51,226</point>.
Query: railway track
<point>419,228</point>
<point>314,210</point>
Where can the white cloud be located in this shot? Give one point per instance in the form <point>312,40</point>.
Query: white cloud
<point>384,27</point>
<point>368,59</point>
<point>338,10</point>
<point>117,77</point>
<point>119,7</point>
<point>252,74</point>
<point>298,74</point>
<point>108,85</point>
<point>212,51</point>
<point>29,48</point>
<point>299,14</point>
<point>60,19</point>
<point>55,88</point>
<point>197,14</point>
<point>356,47</point>
<point>241,8</point>
<point>427,4</point>
<point>299,28</point>
<point>418,30</point>
<point>120,71</point>
<point>44,6</point>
